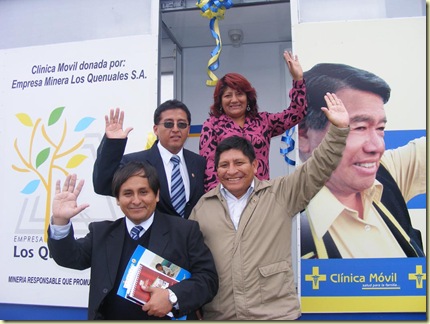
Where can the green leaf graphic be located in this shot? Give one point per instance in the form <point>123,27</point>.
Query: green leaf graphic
<point>55,115</point>
<point>42,156</point>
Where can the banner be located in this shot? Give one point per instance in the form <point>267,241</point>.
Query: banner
<point>53,102</point>
<point>394,50</point>
<point>364,285</point>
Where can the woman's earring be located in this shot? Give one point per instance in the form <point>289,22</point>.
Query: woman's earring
<point>220,108</point>
<point>248,108</point>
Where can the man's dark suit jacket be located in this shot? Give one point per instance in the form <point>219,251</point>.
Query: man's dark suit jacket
<point>175,239</point>
<point>110,156</point>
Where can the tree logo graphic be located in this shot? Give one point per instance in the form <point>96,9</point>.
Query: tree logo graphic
<point>45,157</point>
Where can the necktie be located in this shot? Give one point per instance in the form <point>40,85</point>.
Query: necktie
<point>135,232</point>
<point>177,190</point>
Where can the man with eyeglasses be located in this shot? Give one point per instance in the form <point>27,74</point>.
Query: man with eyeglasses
<point>172,121</point>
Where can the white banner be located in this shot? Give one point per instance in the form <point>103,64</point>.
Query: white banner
<point>53,100</point>
<point>393,49</point>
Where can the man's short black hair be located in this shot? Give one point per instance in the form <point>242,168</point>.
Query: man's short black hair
<point>134,168</point>
<point>236,143</point>
<point>332,77</point>
<point>168,105</point>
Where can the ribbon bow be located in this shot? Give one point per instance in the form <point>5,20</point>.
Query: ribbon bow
<point>289,141</point>
<point>214,10</point>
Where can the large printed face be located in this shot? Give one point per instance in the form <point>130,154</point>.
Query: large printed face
<point>172,139</point>
<point>364,146</point>
<point>136,199</point>
<point>236,172</point>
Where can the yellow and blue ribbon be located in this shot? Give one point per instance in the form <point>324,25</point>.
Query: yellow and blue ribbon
<point>214,10</point>
<point>289,141</point>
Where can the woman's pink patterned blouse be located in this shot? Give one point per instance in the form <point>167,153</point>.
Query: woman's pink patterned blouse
<point>258,130</point>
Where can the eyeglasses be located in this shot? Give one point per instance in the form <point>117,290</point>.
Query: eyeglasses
<point>170,124</point>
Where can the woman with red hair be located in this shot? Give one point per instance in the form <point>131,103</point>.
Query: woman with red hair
<point>235,112</point>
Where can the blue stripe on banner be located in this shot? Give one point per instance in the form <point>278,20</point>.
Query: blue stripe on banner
<point>398,138</point>
<point>195,129</point>
<point>418,202</point>
<point>393,139</point>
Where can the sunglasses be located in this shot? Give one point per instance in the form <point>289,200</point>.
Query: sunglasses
<point>170,124</point>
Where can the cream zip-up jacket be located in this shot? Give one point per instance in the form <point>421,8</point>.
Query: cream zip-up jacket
<point>256,280</point>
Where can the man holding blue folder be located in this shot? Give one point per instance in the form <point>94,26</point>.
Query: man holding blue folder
<point>109,245</point>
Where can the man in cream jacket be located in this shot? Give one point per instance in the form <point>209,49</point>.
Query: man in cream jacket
<point>246,223</point>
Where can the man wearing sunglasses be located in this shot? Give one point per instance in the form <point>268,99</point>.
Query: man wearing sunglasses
<point>172,121</point>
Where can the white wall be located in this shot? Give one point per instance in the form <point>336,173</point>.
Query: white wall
<point>343,10</point>
<point>40,22</point>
